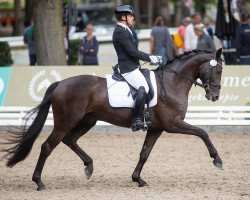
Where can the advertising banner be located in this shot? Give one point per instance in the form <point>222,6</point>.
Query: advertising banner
<point>28,84</point>
<point>235,89</point>
<point>4,81</point>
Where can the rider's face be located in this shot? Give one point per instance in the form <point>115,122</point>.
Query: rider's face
<point>130,20</point>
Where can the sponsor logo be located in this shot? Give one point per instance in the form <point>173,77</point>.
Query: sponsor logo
<point>41,81</point>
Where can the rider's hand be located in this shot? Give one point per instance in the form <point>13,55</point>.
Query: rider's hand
<point>155,59</point>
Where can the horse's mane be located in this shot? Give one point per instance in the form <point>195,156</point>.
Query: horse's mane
<point>186,53</point>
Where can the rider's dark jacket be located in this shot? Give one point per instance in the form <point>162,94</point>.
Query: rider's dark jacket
<point>127,52</point>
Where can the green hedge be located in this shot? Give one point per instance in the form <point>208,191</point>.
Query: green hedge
<point>5,55</point>
<point>73,52</point>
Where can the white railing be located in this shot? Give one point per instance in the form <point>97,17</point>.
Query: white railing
<point>218,115</point>
<point>196,115</point>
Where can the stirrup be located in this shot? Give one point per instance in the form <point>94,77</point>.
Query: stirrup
<point>137,124</point>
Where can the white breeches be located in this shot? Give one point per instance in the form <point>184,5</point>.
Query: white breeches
<point>136,79</point>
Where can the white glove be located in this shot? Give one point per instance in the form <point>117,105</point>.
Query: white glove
<point>155,59</point>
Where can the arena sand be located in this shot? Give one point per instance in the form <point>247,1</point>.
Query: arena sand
<point>179,167</point>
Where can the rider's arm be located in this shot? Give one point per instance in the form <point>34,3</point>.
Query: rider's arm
<point>130,48</point>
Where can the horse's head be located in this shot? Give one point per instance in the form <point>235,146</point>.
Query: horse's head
<point>210,74</point>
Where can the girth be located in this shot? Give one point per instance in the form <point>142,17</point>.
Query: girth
<point>146,73</point>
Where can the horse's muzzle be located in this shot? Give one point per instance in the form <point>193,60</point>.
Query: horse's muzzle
<point>211,97</point>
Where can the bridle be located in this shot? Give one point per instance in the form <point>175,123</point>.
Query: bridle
<point>206,86</point>
<point>210,82</point>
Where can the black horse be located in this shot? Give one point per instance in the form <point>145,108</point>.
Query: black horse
<point>78,102</point>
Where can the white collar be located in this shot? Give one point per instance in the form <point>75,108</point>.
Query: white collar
<point>125,26</point>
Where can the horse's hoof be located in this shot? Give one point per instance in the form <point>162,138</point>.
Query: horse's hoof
<point>41,187</point>
<point>89,171</point>
<point>142,184</point>
<point>218,164</point>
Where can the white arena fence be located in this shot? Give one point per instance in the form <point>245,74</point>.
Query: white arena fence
<point>196,115</point>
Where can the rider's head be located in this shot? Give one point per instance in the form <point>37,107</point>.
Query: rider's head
<point>125,13</point>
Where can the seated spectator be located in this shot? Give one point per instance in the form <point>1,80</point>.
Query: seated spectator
<point>88,47</point>
<point>205,42</point>
<point>243,40</point>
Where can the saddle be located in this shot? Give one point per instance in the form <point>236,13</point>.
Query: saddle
<point>146,73</point>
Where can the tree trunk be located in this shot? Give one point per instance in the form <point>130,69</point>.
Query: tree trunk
<point>186,9</point>
<point>161,8</point>
<point>150,13</point>
<point>178,12</point>
<point>28,12</point>
<point>49,35</point>
<point>137,13</point>
<point>18,28</point>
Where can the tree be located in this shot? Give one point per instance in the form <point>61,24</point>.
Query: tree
<point>18,26</point>
<point>161,8</point>
<point>135,5</point>
<point>150,13</point>
<point>49,32</point>
<point>28,12</point>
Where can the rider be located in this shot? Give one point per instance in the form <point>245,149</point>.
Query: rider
<point>128,60</point>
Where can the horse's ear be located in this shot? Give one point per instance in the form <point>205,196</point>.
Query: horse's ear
<point>218,54</point>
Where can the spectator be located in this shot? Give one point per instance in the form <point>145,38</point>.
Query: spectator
<point>210,31</point>
<point>243,40</point>
<point>88,47</point>
<point>190,37</point>
<point>182,30</point>
<point>204,42</point>
<point>161,43</point>
<point>29,39</point>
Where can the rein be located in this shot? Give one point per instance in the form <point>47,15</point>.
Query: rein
<point>195,82</point>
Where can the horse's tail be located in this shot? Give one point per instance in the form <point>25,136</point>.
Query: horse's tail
<point>25,139</point>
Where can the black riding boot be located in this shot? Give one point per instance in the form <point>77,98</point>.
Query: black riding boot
<point>137,122</point>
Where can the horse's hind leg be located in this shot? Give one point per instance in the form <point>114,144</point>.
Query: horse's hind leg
<point>185,128</point>
<point>47,147</point>
<point>70,140</point>
<point>148,145</point>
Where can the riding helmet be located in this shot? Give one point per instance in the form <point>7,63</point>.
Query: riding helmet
<point>124,9</point>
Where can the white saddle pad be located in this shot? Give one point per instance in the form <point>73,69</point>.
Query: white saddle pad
<point>119,93</point>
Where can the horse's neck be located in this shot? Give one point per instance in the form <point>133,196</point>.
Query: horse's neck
<point>185,71</point>
<point>191,65</point>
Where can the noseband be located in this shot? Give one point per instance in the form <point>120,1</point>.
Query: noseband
<point>206,86</point>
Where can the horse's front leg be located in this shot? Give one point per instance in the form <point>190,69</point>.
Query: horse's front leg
<point>149,142</point>
<point>180,126</point>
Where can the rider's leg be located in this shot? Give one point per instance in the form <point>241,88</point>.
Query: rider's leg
<point>137,122</point>
<point>137,80</point>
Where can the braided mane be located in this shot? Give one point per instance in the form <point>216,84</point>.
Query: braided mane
<point>186,53</point>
